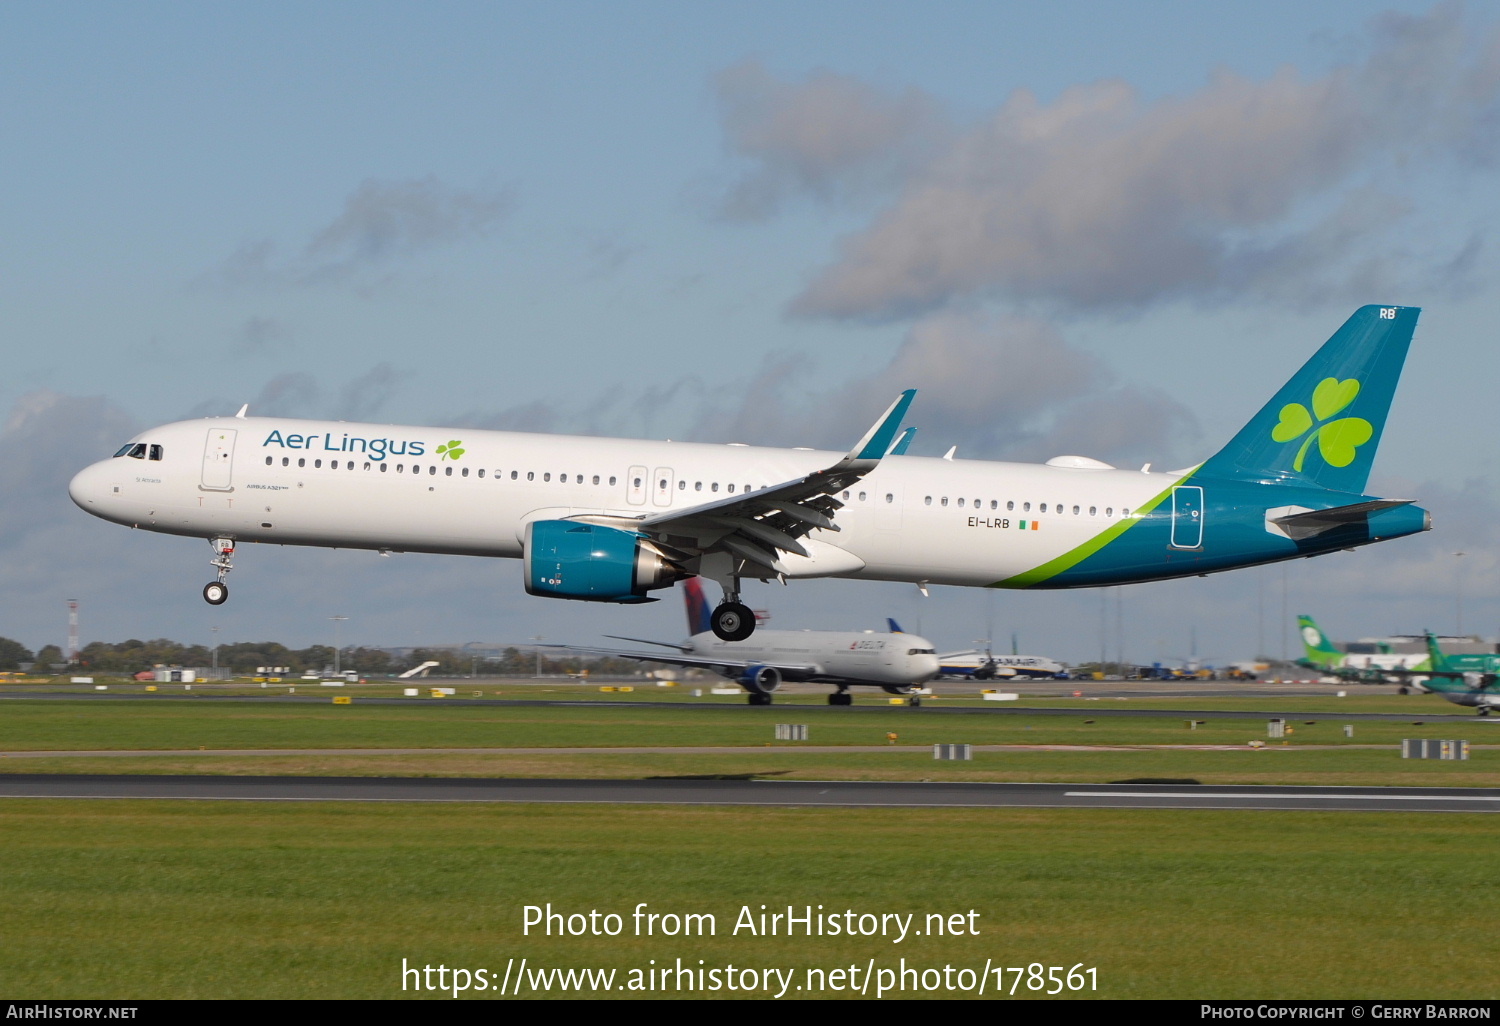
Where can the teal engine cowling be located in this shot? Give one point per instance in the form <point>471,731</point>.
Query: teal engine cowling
<point>593,563</point>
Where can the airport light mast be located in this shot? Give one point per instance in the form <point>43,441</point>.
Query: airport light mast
<point>72,653</point>
<point>338,622</point>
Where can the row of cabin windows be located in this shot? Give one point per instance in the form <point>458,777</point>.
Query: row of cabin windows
<point>139,451</point>
<point>665,484</point>
<point>1057,507</point>
<point>515,475</point>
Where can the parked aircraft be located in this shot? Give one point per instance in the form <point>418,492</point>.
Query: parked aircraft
<point>896,662</point>
<point>983,664</point>
<point>610,520</point>
<point>1357,668</point>
<point>1449,676</point>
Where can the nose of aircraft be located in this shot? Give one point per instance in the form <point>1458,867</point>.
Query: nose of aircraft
<point>925,666</point>
<point>89,487</point>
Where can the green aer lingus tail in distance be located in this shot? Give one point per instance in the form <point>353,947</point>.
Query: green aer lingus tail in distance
<point>1357,668</point>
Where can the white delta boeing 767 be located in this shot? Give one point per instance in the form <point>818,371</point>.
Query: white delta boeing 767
<point>613,519</point>
<point>897,662</point>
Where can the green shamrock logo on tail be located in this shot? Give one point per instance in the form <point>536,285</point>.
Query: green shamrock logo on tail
<point>1337,439</point>
<point>453,450</point>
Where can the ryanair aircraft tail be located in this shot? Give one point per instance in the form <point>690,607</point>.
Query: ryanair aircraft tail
<point>1320,651</point>
<point>1324,425</point>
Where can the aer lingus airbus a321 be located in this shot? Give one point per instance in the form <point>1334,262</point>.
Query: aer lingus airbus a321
<point>612,519</point>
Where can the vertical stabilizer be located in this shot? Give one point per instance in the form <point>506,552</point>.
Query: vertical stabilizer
<point>1324,425</point>
<point>698,611</point>
<point>1435,658</point>
<point>1320,651</point>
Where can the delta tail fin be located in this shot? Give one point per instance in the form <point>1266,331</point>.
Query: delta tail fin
<point>1324,425</point>
<point>1320,651</point>
<point>698,610</point>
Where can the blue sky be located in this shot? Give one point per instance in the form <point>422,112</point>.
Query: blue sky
<point>1111,228</point>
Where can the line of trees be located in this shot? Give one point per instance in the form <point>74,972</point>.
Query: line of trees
<point>242,658</point>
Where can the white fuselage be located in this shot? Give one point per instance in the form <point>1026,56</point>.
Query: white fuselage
<point>849,656</point>
<point>1019,665</point>
<point>335,484</point>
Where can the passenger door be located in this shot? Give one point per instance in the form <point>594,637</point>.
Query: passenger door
<point>1187,517</point>
<point>218,460</point>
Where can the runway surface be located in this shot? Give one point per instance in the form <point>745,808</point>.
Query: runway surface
<point>688,791</point>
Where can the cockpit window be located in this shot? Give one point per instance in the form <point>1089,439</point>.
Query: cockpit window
<point>156,452</point>
<point>920,651</point>
<point>135,450</point>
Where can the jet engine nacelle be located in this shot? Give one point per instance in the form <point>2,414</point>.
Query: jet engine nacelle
<point>573,560</point>
<point>762,680</point>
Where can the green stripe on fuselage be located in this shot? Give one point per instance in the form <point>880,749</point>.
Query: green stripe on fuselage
<point>1068,560</point>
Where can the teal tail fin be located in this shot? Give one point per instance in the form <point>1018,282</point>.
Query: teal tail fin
<point>1435,658</point>
<point>1324,425</point>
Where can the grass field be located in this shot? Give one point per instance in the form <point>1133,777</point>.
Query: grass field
<point>136,724</point>
<point>217,899</point>
<point>1100,748</point>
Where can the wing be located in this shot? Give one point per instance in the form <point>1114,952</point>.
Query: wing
<point>754,528</point>
<point>727,667</point>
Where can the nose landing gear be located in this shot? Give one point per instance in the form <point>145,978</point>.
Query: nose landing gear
<point>216,593</point>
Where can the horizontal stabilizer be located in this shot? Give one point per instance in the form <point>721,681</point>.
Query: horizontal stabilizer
<point>1314,522</point>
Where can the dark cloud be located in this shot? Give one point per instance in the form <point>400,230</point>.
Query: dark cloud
<point>46,439</point>
<point>259,336</point>
<point>382,222</point>
<point>1101,200</point>
<point>297,394</point>
<point>365,396</point>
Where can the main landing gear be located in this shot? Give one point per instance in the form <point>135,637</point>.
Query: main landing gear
<point>841,698</point>
<point>216,593</point>
<point>732,620</point>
